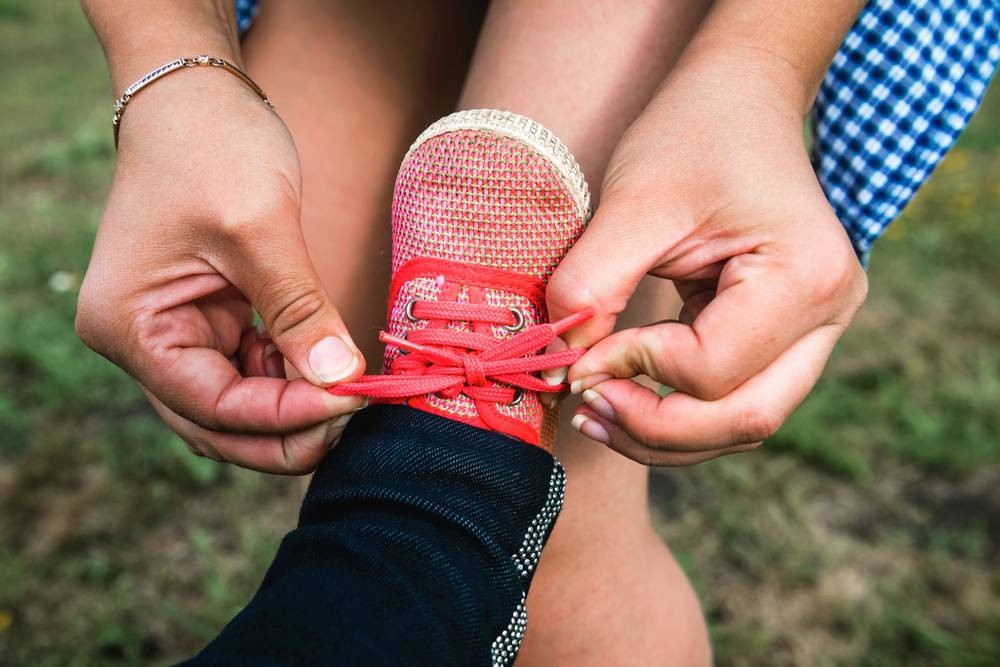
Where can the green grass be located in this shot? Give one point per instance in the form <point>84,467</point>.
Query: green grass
<point>866,532</point>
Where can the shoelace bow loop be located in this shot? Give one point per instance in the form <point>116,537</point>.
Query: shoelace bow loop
<point>450,362</point>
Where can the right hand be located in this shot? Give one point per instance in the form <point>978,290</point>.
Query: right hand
<point>201,227</point>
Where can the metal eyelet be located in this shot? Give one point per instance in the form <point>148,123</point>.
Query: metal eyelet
<point>402,350</point>
<point>518,397</point>
<point>409,310</point>
<point>518,321</point>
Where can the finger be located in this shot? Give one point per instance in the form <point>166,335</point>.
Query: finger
<point>289,454</point>
<point>229,315</point>
<point>554,376</point>
<point>601,271</point>
<point>275,272</point>
<point>201,385</point>
<point>251,353</point>
<point>694,303</point>
<point>591,424</point>
<point>679,422</point>
<point>274,362</point>
<point>758,312</point>
<point>258,356</point>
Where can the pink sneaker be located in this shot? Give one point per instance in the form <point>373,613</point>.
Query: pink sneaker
<point>486,205</point>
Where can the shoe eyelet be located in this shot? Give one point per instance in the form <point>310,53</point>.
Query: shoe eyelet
<point>402,351</point>
<point>518,321</point>
<point>409,310</point>
<point>518,397</point>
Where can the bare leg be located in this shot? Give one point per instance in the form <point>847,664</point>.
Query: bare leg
<point>356,82</point>
<point>607,591</point>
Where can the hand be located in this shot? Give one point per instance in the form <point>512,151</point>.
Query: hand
<point>711,188</point>
<point>201,226</point>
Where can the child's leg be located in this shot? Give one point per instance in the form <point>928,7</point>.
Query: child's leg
<point>419,535</point>
<point>607,590</point>
<point>629,603</point>
<point>356,82</point>
<point>381,77</point>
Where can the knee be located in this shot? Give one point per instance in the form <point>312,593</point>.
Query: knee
<point>615,602</point>
<point>607,590</point>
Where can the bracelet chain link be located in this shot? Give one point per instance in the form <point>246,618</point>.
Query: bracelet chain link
<point>173,66</point>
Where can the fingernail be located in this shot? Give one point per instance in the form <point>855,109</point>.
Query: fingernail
<point>335,429</point>
<point>338,425</point>
<point>342,420</point>
<point>586,382</point>
<point>274,365</point>
<point>591,429</point>
<point>599,404</point>
<point>555,376</point>
<point>332,359</point>
<point>328,432</point>
<point>361,407</point>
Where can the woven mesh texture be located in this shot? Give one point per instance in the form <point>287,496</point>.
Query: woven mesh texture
<point>480,198</point>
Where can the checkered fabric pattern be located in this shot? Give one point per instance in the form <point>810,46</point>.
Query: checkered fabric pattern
<point>902,87</point>
<point>246,10</point>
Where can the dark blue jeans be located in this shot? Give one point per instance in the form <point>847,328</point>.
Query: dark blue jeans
<point>416,544</point>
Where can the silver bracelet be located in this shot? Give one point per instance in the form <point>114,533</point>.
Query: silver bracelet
<point>173,66</point>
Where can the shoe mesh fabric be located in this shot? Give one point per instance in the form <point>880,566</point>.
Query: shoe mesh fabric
<point>481,198</point>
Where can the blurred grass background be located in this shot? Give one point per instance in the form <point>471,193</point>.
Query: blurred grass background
<point>865,533</point>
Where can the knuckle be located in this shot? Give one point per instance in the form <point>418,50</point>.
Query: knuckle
<point>246,219</point>
<point>713,379</point>
<point>300,466</point>
<point>755,426</point>
<point>568,292</point>
<point>294,307</point>
<point>87,319</point>
<point>860,286</point>
<point>831,279</point>
<point>648,436</point>
<point>86,327</point>
<point>644,353</point>
<point>240,229</point>
<point>201,446</point>
<point>712,385</point>
<point>94,324</point>
<point>573,288</point>
<point>647,441</point>
<point>299,457</point>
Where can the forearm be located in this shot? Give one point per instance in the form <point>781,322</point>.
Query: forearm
<point>791,41</point>
<point>140,35</point>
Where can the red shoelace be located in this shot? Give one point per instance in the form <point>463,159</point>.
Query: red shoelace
<point>448,362</point>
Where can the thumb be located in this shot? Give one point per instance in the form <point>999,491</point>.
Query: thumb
<point>305,326</point>
<point>601,271</point>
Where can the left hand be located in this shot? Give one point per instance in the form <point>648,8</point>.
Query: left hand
<point>711,188</point>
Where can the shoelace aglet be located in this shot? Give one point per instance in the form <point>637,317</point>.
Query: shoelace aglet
<point>434,354</point>
<point>399,342</point>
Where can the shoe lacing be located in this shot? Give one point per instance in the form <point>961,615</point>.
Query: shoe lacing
<point>449,362</point>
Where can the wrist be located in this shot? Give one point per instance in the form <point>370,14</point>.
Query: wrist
<point>141,35</point>
<point>749,72</point>
<point>185,108</point>
<point>787,45</point>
